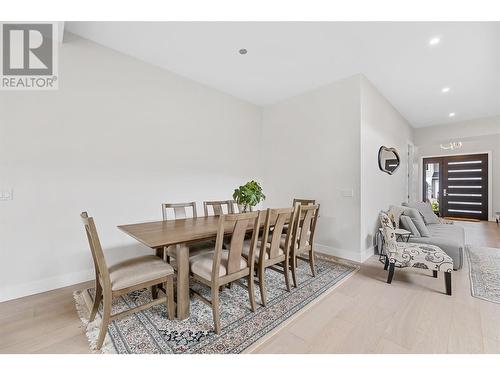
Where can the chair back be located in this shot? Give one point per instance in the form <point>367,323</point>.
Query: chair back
<point>100,266</point>
<point>239,223</point>
<point>303,202</point>
<point>305,226</point>
<point>218,207</point>
<point>274,227</point>
<point>388,233</point>
<point>179,210</point>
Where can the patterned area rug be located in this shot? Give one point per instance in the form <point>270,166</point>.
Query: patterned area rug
<point>484,270</point>
<point>150,331</point>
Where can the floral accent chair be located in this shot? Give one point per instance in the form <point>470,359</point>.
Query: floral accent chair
<point>407,254</point>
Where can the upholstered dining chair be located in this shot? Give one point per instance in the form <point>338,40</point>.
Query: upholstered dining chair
<point>304,202</point>
<point>223,266</point>
<point>407,254</point>
<point>271,250</point>
<point>217,207</point>
<point>182,211</point>
<point>300,201</point>
<point>125,277</point>
<point>303,238</point>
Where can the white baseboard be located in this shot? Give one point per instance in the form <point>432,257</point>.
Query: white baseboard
<point>367,253</point>
<point>340,253</point>
<point>39,286</point>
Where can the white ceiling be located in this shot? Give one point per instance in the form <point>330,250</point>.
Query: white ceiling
<point>288,58</point>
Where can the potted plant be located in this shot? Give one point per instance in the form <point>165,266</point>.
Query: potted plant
<point>248,196</point>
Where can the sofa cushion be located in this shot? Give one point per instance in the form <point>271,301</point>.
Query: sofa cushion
<point>415,216</point>
<point>407,223</point>
<point>450,238</point>
<point>426,211</point>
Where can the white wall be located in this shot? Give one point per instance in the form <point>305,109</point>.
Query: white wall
<point>118,138</point>
<point>477,136</point>
<point>311,150</point>
<point>381,124</point>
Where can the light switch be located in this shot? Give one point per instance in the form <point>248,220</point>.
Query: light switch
<point>347,193</point>
<point>6,194</point>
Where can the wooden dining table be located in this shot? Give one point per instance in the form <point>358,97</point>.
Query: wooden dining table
<point>179,233</point>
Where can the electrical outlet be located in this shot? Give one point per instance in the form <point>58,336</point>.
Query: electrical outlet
<point>6,194</point>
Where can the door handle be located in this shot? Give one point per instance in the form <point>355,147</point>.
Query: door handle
<point>444,193</point>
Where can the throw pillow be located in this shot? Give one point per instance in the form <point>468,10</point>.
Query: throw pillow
<point>415,216</point>
<point>407,223</point>
<point>426,211</point>
<point>395,213</point>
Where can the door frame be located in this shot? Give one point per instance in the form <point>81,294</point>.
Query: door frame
<point>490,175</point>
<point>434,159</point>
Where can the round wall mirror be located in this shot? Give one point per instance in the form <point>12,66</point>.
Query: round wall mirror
<point>388,159</point>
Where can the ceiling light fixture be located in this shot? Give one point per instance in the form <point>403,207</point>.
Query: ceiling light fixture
<point>451,146</point>
<point>444,90</point>
<point>243,51</point>
<point>434,41</point>
<point>451,114</point>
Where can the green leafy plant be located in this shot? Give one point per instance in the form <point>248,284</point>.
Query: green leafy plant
<point>249,195</point>
<point>435,206</point>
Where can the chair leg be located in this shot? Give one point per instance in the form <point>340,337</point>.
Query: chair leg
<point>251,291</point>
<point>312,263</point>
<point>262,286</point>
<point>215,309</point>
<point>294,271</point>
<point>169,287</point>
<point>105,320</point>
<point>391,273</point>
<point>97,301</point>
<point>154,291</point>
<point>386,264</point>
<point>167,259</point>
<point>447,280</point>
<point>286,271</point>
<point>434,274</point>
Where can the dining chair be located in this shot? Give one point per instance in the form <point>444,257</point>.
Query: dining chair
<point>304,202</point>
<point>300,201</point>
<point>125,277</point>
<point>218,207</point>
<point>273,249</point>
<point>303,238</point>
<point>181,211</point>
<point>224,266</point>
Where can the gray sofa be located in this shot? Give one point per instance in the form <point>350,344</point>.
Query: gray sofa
<point>427,228</point>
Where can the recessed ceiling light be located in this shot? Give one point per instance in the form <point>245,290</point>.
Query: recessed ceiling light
<point>434,41</point>
<point>451,114</point>
<point>243,51</point>
<point>444,90</point>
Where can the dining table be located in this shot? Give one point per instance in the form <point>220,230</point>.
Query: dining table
<point>179,233</point>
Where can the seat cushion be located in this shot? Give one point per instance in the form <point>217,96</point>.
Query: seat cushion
<point>422,256</point>
<point>202,264</point>
<point>246,250</point>
<point>450,238</point>
<point>138,270</point>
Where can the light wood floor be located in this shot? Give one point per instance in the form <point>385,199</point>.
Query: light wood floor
<point>364,315</point>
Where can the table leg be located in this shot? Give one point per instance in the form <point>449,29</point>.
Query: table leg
<point>182,259</point>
